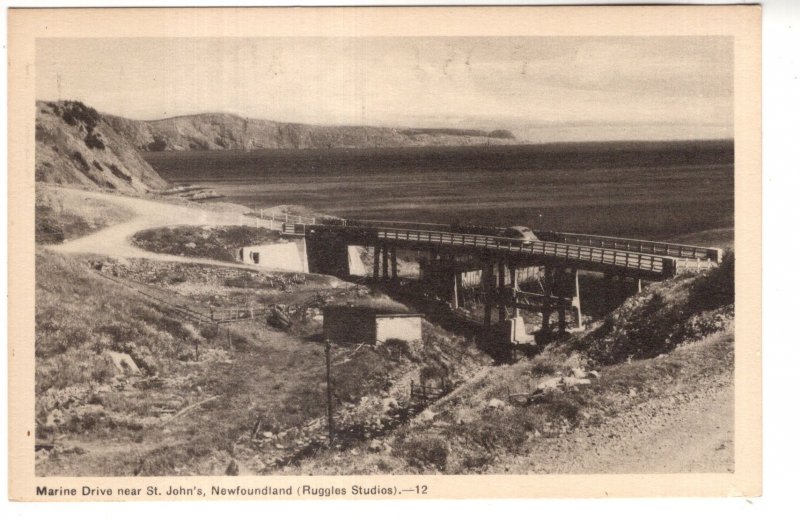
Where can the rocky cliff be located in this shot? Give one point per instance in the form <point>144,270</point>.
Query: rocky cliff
<point>230,132</point>
<point>75,145</point>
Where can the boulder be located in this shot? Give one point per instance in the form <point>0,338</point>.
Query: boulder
<point>549,384</point>
<point>574,381</point>
<point>123,363</point>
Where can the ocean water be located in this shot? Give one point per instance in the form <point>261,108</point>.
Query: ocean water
<point>645,190</point>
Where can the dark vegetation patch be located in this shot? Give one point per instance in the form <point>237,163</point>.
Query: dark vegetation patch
<point>219,243</point>
<point>158,144</point>
<point>77,158</point>
<point>119,173</point>
<point>75,113</point>
<point>93,141</point>
<point>665,315</point>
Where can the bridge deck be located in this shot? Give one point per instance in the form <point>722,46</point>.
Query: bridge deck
<point>655,259</point>
<point>646,263</point>
<point>675,250</point>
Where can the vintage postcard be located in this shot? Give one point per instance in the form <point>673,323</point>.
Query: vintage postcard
<point>388,253</point>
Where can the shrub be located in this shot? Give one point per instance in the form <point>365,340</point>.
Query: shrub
<point>119,174</point>
<point>717,288</point>
<point>93,141</point>
<point>75,112</point>
<point>424,452</point>
<point>158,144</point>
<point>77,157</point>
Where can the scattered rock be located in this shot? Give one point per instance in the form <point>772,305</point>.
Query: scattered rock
<point>573,381</point>
<point>191,245</point>
<point>549,384</point>
<point>496,403</point>
<point>123,363</point>
<point>578,373</point>
<point>427,415</point>
<point>375,445</point>
<point>594,374</point>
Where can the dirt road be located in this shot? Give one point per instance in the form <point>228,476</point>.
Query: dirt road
<point>686,432</point>
<point>115,241</point>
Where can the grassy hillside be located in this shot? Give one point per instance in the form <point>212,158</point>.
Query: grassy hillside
<point>585,404</point>
<point>201,388</point>
<point>75,145</point>
<point>220,243</point>
<point>231,132</point>
<point>64,215</point>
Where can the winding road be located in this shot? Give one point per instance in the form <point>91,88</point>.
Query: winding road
<point>116,240</point>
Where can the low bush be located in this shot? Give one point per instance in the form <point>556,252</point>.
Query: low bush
<point>423,452</point>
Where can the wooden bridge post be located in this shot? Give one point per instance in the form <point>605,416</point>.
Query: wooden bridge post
<point>576,301</point>
<point>512,272</point>
<point>487,273</point>
<point>501,287</point>
<point>385,261</point>
<point>376,262</point>
<point>548,291</point>
<point>456,282</point>
<point>394,261</point>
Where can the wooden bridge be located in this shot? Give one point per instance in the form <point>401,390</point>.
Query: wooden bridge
<point>558,256</point>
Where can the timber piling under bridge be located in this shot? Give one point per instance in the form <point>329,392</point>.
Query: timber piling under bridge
<point>446,256</point>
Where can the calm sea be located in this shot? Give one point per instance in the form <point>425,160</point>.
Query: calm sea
<point>648,190</point>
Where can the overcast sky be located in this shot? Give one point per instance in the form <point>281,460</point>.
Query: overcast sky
<point>543,89</point>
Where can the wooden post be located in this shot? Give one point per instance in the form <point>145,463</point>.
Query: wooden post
<point>501,287</point>
<point>638,285</point>
<point>514,281</point>
<point>548,289</point>
<point>377,262</point>
<point>488,289</point>
<point>576,301</point>
<point>562,318</point>
<point>394,261</point>
<point>329,390</point>
<point>385,261</point>
<point>456,279</point>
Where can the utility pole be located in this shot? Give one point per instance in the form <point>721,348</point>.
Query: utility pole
<point>330,389</point>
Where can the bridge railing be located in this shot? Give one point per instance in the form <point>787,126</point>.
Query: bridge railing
<point>618,258</point>
<point>675,250</point>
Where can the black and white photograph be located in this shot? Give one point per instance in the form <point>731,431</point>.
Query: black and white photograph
<point>383,255</point>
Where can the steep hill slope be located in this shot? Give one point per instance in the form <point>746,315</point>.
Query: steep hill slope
<point>649,389</point>
<point>75,145</point>
<point>225,131</point>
